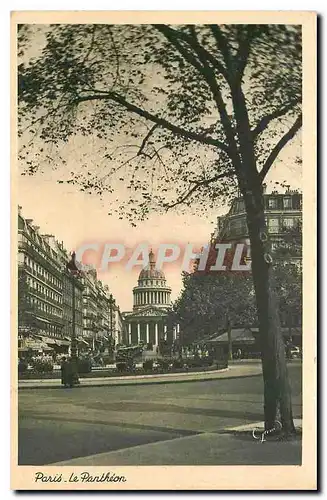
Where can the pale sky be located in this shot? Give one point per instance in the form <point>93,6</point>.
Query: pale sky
<point>75,218</point>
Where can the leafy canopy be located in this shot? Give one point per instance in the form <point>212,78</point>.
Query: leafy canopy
<point>166,110</point>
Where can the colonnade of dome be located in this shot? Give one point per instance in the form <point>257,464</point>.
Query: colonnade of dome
<point>152,289</point>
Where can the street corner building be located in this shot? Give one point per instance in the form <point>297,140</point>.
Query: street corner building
<point>148,322</point>
<point>283,213</point>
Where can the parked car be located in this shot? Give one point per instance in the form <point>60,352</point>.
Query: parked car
<point>292,351</point>
<point>295,352</point>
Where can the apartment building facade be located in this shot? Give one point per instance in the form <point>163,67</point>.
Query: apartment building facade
<point>283,212</point>
<point>50,299</point>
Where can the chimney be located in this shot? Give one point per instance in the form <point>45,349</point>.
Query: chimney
<point>29,221</point>
<point>264,188</point>
<point>47,237</point>
<point>19,210</point>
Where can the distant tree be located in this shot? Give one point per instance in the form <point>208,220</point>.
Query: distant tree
<point>288,277</point>
<point>182,115</point>
<point>209,299</point>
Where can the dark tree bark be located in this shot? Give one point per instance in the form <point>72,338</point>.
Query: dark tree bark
<point>277,393</point>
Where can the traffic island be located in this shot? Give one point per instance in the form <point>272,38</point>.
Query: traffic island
<point>234,371</point>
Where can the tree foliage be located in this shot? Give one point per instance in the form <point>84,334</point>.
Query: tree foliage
<point>158,105</point>
<point>288,276</point>
<point>207,299</point>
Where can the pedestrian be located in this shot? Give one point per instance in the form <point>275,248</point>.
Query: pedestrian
<point>64,369</point>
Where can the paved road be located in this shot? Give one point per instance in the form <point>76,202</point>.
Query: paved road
<point>57,425</point>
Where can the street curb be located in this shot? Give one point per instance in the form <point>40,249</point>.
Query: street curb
<point>259,426</point>
<point>120,383</point>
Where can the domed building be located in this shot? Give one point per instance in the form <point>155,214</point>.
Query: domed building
<point>151,303</point>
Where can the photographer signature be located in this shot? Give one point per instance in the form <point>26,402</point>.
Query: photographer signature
<point>277,427</point>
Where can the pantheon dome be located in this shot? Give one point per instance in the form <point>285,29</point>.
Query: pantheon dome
<point>152,289</point>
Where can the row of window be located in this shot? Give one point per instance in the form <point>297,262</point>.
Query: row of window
<point>42,248</point>
<point>271,202</point>
<point>65,285</point>
<point>42,306</point>
<point>67,330</point>
<point>153,282</point>
<point>48,293</point>
<point>88,323</point>
<point>275,224</point>
<point>53,330</point>
<point>43,272</point>
<point>34,236</point>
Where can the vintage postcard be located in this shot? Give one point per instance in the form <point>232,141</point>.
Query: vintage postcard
<point>163,251</point>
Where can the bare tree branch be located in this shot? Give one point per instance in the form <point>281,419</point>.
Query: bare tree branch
<point>209,75</point>
<point>244,47</point>
<point>197,185</point>
<point>187,134</point>
<point>146,138</point>
<point>88,52</point>
<point>264,122</point>
<point>172,36</point>
<point>117,77</point>
<point>222,43</point>
<point>201,64</point>
<point>175,34</point>
<point>279,146</point>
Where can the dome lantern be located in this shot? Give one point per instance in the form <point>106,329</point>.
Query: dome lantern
<point>152,289</point>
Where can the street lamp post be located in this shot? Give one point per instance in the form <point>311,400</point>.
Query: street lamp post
<point>229,335</point>
<point>111,307</point>
<point>74,273</point>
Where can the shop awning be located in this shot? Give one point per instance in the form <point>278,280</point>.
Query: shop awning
<point>49,341</point>
<point>36,345</point>
<point>82,341</point>
<point>42,319</point>
<point>241,335</point>
<point>62,342</point>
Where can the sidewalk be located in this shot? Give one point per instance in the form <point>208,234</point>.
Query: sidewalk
<point>234,371</point>
<point>208,448</point>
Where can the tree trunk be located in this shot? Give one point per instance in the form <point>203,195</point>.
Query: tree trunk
<point>277,394</point>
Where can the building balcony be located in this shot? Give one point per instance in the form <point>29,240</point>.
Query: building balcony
<point>89,315</point>
<point>47,317</point>
<point>42,278</point>
<point>47,263</point>
<point>44,297</point>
